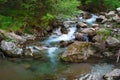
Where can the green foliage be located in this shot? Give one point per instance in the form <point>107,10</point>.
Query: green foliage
<point>105,33</point>
<point>100,5</point>
<point>112,4</point>
<point>7,23</point>
<point>66,7</point>
<point>47,19</point>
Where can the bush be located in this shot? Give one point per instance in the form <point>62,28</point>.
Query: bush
<point>66,7</point>
<point>7,23</point>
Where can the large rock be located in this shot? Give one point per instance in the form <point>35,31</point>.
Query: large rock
<point>116,18</point>
<point>113,75</point>
<point>81,37</point>
<point>77,52</point>
<point>112,42</point>
<point>89,31</point>
<point>34,50</point>
<point>101,19</point>
<point>15,37</point>
<point>111,13</point>
<point>11,49</point>
<point>118,9</point>
<point>86,15</point>
<point>81,24</point>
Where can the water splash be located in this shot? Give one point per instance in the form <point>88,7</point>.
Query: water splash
<point>63,37</point>
<point>89,21</point>
<point>51,54</point>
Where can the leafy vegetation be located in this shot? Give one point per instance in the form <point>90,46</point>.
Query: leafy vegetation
<point>17,13</point>
<point>100,5</point>
<point>105,33</point>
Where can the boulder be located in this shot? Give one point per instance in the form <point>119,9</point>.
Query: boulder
<point>65,43</point>
<point>15,37</point>
<point>111,13</point>
<point>86,15</point>
<point>89,31</point>
<point>116,18</point>
<point>64,30</point>
<point>101,18</point>
<point>97,38</point>
<point>95,25</point>
<point>81,37</point>
<point>113,75</point>
<point>77,52</point>
<point>112,42</point>
<point>81,24</point>
<point>118,9</point>
<point>34,51</point>
<point>28,37</point>
<point>11,49</point>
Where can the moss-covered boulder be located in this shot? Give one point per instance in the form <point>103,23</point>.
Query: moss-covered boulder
<point>78,52</point>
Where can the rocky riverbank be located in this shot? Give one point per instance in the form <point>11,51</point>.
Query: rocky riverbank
<point>75,40</point>
<point>104,34</point>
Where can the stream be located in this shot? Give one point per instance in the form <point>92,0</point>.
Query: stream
<point>53,68</point>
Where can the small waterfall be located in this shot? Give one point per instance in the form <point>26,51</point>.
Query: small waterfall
<point>56,37</point>
<point>89,21</point>
<point>63,37</point>
<point>51,54</point>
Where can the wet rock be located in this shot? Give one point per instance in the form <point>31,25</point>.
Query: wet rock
<point>101,18</point>
<point>11,49</point>
<point>13,36</point>
<point>34,51</point>
<point>79,36</point>
<point>112,42</point>
<point>68,23</point>
<point>118,9</point>
<point>64,30</point>
<point>86,15</point>
<point>77,52</point>
<point>111,13</point>
<point>97,38</point>
<point>113,75</point>
<point>90,31</point>
<point>65,43</point>
<point>116,18</point>
<point>81,24</point>
<point>28,37</point>
<point>95,25</point>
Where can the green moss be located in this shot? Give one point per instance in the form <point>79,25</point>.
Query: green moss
<point>104,32</point>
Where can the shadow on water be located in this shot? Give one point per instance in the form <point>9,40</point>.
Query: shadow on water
<point>45,70</point>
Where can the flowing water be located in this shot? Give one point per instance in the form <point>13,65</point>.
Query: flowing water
<point>53,68</point>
